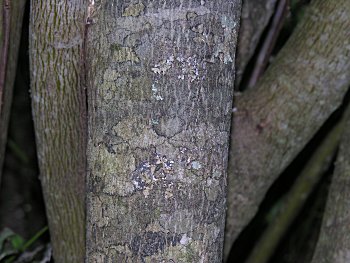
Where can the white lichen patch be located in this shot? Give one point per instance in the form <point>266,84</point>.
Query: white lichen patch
<point>196,165</point>
<point>184,67</point>
<point>152,171</point>
<point>155,93</point>
<point>163,66</point>
<point>185,240</point>
<point>134,10</point>
<point>124,54</point>
<point>92,11</point>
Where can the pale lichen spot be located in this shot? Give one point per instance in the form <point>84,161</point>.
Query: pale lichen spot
<point>134,10</point>
<point>155,93</point>
<point>185,67</point>
<point>196,165</point>
<point>185,240</point>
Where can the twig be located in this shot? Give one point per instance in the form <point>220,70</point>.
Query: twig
<point>269,42</point>
<point>6,13</point>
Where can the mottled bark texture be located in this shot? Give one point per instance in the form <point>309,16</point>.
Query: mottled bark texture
<point>160,95</point>
<point>334,241</point>
<point>10,27</point>
<point>273,122</point>
<point>58,101</point>
<point>255,16</point>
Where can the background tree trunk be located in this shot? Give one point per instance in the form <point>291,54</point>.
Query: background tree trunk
<point>11,14</point>
<point>160,101</point>
<point>273,122</point>
<point>333,243</point>
<point>58,102</point>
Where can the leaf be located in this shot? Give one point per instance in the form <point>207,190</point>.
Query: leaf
<point>4,235</point>
<point>17,242</point>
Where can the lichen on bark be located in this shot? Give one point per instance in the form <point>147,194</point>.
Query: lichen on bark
<point>159,121</point>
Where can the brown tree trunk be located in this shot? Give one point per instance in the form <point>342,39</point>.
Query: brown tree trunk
<point>273,122</point>
<point>11,14</point>
<point>160,102</point>
<point>334,244</point>
<point>58,101</point>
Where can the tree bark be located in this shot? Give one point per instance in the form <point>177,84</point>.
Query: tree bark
<point>333,243</point>
<point>160,100</point>
<point>273,122</point>
<point>11,15</point>
<point>58,103</point>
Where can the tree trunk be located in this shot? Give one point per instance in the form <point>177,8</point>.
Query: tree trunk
<point>11,14</point>
<point>58,102</point>
<point>273,122</point>
<point>334,244</point>
<point>160,100</point>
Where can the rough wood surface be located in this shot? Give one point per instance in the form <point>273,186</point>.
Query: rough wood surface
<point>334,242</point>
<point>58,102</point>
<point>274,121</point>
<point>10,22</point>
<point>160,98</point>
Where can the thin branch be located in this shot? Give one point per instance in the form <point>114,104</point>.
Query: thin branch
<point>6,29</point>
<point>269,42</point>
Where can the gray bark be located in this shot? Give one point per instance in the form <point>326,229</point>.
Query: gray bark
<point>273,122</point>
<point>160,89</point>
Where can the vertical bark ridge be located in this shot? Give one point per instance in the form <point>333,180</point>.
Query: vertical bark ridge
<point>58,103</point>
<point>160,97</point>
